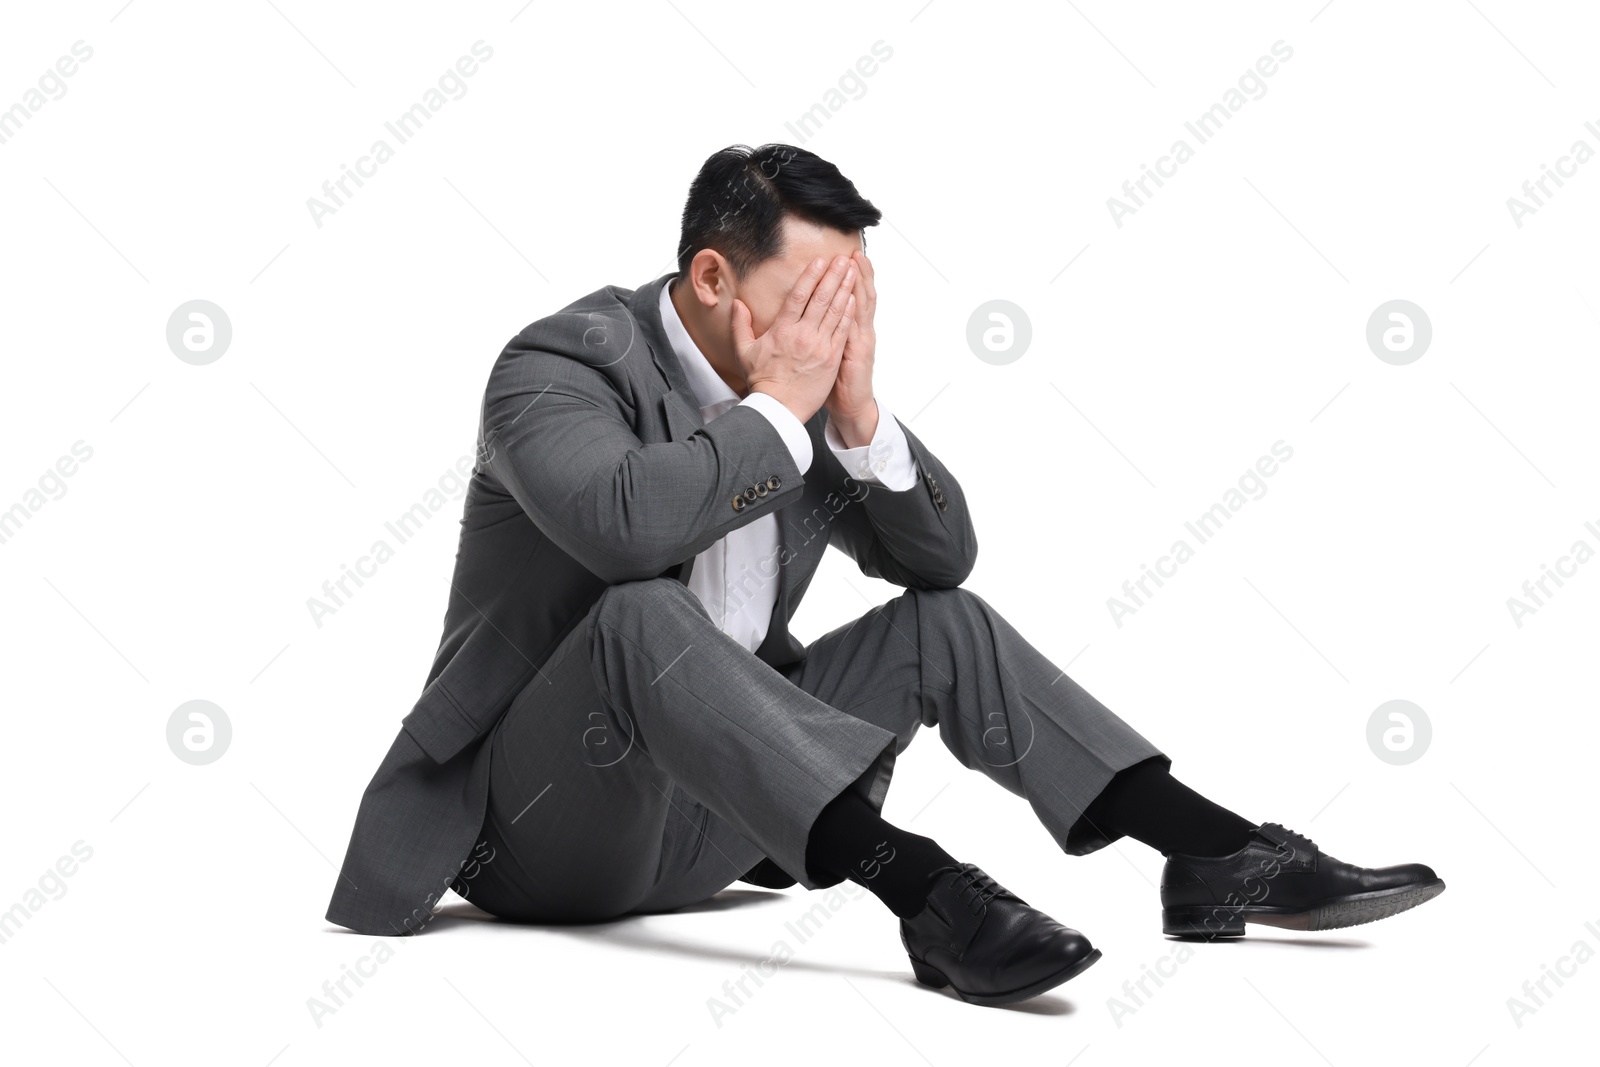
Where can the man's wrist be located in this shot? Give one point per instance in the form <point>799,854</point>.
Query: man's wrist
<point>856,430</point>
<point>802,416</point>
<point>789,425</point>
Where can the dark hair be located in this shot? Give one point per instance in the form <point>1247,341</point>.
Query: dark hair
<point>738,200</point>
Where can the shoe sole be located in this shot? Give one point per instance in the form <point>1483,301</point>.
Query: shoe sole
<point>929,975</point>
<point>1206,923</point>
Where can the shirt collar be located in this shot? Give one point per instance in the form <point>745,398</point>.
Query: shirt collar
<point>709,388</point>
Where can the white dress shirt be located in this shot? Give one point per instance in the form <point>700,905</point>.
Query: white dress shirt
<point>737,578</point>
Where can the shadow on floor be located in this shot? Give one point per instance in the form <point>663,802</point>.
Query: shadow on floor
<point>1257,939</point>
<point>634,931</point>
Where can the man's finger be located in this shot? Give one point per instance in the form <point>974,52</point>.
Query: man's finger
<point>743,337</point>
<point>865,300</point>
<point>822,296</point>
<point>849,289</point>
<point>841,298</point>
<point>800,295</point>
<point>841,332</point>
<point>869,276</point>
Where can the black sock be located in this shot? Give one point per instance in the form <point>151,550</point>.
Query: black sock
<point>852,841</point>
<point>1147,804</point>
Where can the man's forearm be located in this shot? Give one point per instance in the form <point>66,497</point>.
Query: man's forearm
<point>920,536</point>
<point>624,509</point>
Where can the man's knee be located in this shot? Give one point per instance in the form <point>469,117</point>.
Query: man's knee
<point>648,596</point>
<point>957,605</point>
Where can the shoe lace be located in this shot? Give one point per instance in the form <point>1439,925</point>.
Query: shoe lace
<point>1299,840</point>
<point>981,887</point>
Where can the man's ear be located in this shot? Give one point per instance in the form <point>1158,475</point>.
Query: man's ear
<point>711,278</point>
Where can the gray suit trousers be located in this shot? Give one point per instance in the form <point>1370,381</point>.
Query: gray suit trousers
<point>653,760</point>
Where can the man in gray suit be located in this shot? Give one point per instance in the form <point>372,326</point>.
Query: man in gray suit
<point>619,720</point>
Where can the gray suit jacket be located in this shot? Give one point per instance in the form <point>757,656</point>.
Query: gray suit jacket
<point>595,467</point>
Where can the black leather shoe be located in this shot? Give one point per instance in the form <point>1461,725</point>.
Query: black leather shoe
<point>1282,879</point>
<point>986,943</point>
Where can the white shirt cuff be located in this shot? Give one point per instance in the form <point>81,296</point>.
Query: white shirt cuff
<point>885,460</point>
<point>790,428</point>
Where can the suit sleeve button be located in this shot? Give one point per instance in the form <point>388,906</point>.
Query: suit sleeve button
<point>750,493</point>
<point>774,483</point>
<point>738,503</point>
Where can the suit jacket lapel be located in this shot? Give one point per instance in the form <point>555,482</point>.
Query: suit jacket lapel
<point>678,403</point>
<point>778,627</point>
<point>681,407</point>
<point>683,413</point>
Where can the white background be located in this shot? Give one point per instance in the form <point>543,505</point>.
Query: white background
<point>1227,314</point>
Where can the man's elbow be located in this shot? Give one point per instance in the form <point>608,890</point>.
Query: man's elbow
<point>633,560</point>
<point>613,571</point>
<point>956,569</point>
